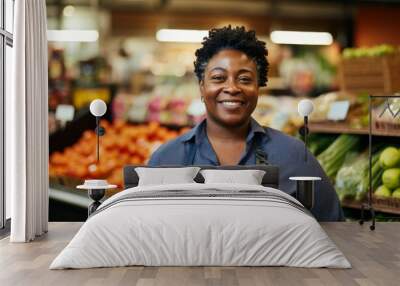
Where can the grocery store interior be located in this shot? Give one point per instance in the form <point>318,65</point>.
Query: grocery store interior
<point>120,51</point>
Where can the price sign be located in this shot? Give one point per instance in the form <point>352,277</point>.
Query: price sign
<point>338,110</point>
<point>65,112</point>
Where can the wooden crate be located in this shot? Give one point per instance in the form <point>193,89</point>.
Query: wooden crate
<point>390,203</point>
<point>386,205</point>
<point>375,75</point>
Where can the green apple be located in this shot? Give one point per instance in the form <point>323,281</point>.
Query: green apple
<point>391,178</point>
<point>390,157</point>
<point>396,193</point>
<point>382,191</point>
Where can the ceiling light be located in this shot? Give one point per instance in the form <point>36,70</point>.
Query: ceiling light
<point>301,38</point>
<point>177,35</point>
<point>72,35</point>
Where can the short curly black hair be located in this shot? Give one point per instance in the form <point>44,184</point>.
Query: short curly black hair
<point>237,39</point>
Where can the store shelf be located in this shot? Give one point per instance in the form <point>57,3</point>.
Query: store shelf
<point>377,207</point>
<point>339,128</point>
<point>77,198</point>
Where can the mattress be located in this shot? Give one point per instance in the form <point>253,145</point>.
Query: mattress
<point>201,225</point>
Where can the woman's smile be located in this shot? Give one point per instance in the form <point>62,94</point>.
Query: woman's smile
<point>232,104</point>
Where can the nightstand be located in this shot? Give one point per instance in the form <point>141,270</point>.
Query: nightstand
<point>305,190</point>
<point>96,190</point>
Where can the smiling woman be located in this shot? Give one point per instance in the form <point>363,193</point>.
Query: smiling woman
<point>231,65</point>
<point>229,89</point>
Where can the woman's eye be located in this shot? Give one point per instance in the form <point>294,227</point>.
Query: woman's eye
<point>245,79</point>
<point>217,77</point>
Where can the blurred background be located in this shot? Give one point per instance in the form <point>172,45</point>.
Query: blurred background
<point>130,53</point>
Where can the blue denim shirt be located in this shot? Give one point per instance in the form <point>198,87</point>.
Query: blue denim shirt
<point>282,150</point>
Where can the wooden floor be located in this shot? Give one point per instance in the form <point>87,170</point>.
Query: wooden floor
<point>375,257</point>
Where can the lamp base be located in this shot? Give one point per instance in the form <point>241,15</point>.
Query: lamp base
<point>305,193</point>
<point>96,195</point>
<point>305,188</point>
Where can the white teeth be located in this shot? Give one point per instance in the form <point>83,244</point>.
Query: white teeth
<point>231,103</point>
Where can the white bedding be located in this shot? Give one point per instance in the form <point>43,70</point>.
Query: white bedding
<point>189,230</point>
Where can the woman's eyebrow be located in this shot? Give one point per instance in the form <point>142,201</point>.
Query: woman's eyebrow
<point>217,68</point>
<point>244,70</point>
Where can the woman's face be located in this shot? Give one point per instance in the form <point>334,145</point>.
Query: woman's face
<point>230,88</point>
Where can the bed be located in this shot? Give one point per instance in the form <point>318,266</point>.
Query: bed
<point>201,224</point>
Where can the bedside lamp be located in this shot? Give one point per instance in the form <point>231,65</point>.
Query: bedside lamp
<point>305,185</point>
<point>98,108</point>
<point>305,108</point>
<point>96,188</point>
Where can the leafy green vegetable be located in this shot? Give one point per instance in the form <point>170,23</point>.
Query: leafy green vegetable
<point>333,157</point>
<point>352,180</point>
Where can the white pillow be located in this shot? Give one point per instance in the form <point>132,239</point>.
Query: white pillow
<point>249,177</point>
<point>163,176</point>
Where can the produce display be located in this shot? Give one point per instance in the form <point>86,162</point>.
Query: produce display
<point>375,51</point>
<point>278,113</point>
<point>332,158</point>
<point>348,167</point>
<point>172,104</point>
<point>370,69</point>
<point>317,143</point>
<point>345,158</point>
<point>352,180</point>
<point>390,162</point>
<point>122,144</point>
<point>357,115</point>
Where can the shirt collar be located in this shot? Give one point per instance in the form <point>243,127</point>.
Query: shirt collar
<point>255,128</point>
<point>197,130</point>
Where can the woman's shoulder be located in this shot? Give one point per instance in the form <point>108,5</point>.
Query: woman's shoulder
<point>172,144</point>
<point>287,148</point>
<point>170,152</point>
<point>283,139</point>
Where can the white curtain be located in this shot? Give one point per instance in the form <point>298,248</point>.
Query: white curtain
<point>26,123</point>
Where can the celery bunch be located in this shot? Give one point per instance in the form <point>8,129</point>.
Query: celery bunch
<point>333,157</point>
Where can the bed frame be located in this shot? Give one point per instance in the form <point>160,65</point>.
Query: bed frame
<point>270,179</point>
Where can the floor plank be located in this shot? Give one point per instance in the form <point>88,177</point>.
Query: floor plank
<point>375,257</point>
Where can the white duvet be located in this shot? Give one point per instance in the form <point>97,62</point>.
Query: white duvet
<point>188,231</point>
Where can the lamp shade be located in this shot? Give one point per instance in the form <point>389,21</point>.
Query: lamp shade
<point>305,107</point>
<point>98,107</point>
